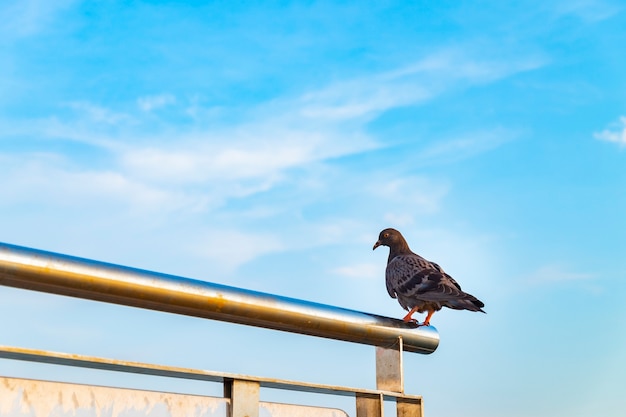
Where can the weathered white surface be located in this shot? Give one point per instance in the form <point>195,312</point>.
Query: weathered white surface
<point>287,410</point>
<point>33,398</point>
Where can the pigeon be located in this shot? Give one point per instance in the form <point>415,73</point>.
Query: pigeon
<point>418,284</point>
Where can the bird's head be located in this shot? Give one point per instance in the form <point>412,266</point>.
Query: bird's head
<point>389,237</point>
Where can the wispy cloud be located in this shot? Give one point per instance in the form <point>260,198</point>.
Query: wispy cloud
<point>557,273</point>
<point>281,149</point>
<point>410,194</point>
<point>49,177</point>
<point>149,103</point>
<point>466,145</point>
<point>616,133</point>
<point>411,84</point>
<point>360,271</point>
<point>230,248</point>
<point>260,152</point>
<point>93,113</point>
<point>362,98</point>
<point>589,10</point>
<point>29,17</point>
<point>472,66</point>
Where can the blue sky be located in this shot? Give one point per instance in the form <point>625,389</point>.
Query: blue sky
<point>265,144</point>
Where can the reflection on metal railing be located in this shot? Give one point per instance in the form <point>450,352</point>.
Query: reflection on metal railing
<point>61,274</point>
<point>66,275</point>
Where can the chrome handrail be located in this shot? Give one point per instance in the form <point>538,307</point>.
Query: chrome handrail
<point>39,270</point>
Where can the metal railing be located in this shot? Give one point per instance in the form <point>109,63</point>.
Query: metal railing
<point>38,270</point>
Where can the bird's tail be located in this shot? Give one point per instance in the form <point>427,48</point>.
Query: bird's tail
<point>479,304</point>
<point>467,302</point>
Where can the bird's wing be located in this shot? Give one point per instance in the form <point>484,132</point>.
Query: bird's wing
<point>412,276</point>
<point>436,266</point>
<point>452,280</point>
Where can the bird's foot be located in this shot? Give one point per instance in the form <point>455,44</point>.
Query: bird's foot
<point>412,321</point>
<point>409,319</point>
<point>417,323</point>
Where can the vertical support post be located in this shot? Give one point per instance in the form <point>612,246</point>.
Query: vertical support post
<point>369,405</point>
<point>409,408</point>
<point>389,372</point>
<point>244,397</point>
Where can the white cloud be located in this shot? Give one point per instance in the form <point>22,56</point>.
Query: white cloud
<point>615,133</point>
<point>149,103</point>
<point>409,194</point>
<point>556,273</point>
<point>85,131</point>
<point>216,159</point>
<point>465,146</point>
<point>180,172</point>
<point>29,17</point>
<point>229,249</point>
<point>415,83</point>
<point>588,10</point>
<point>362,98</point>
<point>361,271</point>
<point>44,177</point>
<point>94,113</point>
<point>281,134</point>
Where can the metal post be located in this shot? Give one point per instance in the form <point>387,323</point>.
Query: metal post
<point>369,405</point>
<point>244,397</point>
<point>390,377</point>
<point>409,407</point>
<point>389,370</point>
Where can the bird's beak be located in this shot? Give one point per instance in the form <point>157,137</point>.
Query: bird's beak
<point>377,244</point>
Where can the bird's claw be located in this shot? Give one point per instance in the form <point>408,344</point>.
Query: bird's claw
<point>417,323</point>
<point>413,322</point>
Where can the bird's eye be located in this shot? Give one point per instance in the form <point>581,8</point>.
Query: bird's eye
<point>386,235</point>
